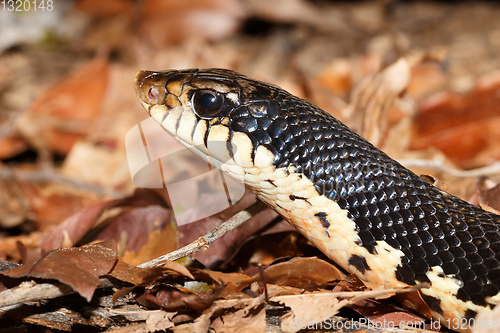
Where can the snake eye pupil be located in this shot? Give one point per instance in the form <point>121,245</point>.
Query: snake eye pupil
<point>207,103</point>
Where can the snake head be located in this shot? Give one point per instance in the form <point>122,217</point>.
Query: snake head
<point>225,116</point>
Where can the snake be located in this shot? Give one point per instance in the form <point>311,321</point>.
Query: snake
<point>365,211</point>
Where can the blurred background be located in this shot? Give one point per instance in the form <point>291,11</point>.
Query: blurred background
<point>421,80</point>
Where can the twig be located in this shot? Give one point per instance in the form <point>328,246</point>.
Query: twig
<point>438,165</point>
<point>30,291</point>
<point>202,242</point>
<point>49,176</point>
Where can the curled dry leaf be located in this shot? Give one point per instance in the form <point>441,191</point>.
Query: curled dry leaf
<point>71,230</point>
<point>383,313</point>
<point>469,121</point>
<point>172,298</point>
<point>143,276</point>
<point>246,320</point>
<point>489,194</point>
<point>60,116</point>
<point>232,283</point>
<point>80,268</point>
<point>144,233</point>
<point>307,273</point>
<point>374,97</point>
<point>249,307</point>
<point>11,146</point>
<point>308,308</point>
<point>141,224</point>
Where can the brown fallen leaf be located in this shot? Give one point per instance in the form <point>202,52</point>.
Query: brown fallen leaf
<point>172,298</point>
<point>307,273</point>
<point>314,307</point>
<point>374,97</point>
<point>469,121</point>
<point>386,314</point>
<point>489,194</point>
<point>80,268</point>
<point>247,320</point>
<point>143,276</point>
<point>155,216</point>
<point>143,233</point>
<point>71,230</point>
<point>60,116</point>
<point>49,204</point>
<point>229,285</point>
<point>250,307</point>
<point>11,146</point>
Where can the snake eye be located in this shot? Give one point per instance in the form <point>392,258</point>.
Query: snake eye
<point>207,103</point>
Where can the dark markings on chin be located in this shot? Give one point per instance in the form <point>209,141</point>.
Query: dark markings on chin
<point>359,263</point>
<point>205,137</point>
<point>433,302</point>
<point>193,131</point>
<point>295,197</point>
<point>323,219</point>
<point>271,182</point>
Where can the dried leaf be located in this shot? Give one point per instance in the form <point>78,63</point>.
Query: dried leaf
<point>53,203</point>
<point>373,98</point>
<point>143,276</point>
<point>76,226</point>
<point>11,146</point>
<point>309,273</point>
<point>79,267</point>
<point>382,313</point>
<point>159,321</point>
<point>469,121</point>
<point>60,117</point>
<point>202,323</point>
<point>172,298</point>
<point>232,282</point>
<point>489,194</point>
<point>308,308</point>
<point>248,320</point>
<point>145,233</point>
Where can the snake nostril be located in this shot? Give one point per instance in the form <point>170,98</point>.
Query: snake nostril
<point>153,94</point>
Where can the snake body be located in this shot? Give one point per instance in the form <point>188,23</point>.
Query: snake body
<point>365,211</point>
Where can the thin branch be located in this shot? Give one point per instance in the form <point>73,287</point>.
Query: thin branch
<point>49,176</point>
<point>30,291</point>
<point>438,165</point>
<point>202,242</point>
